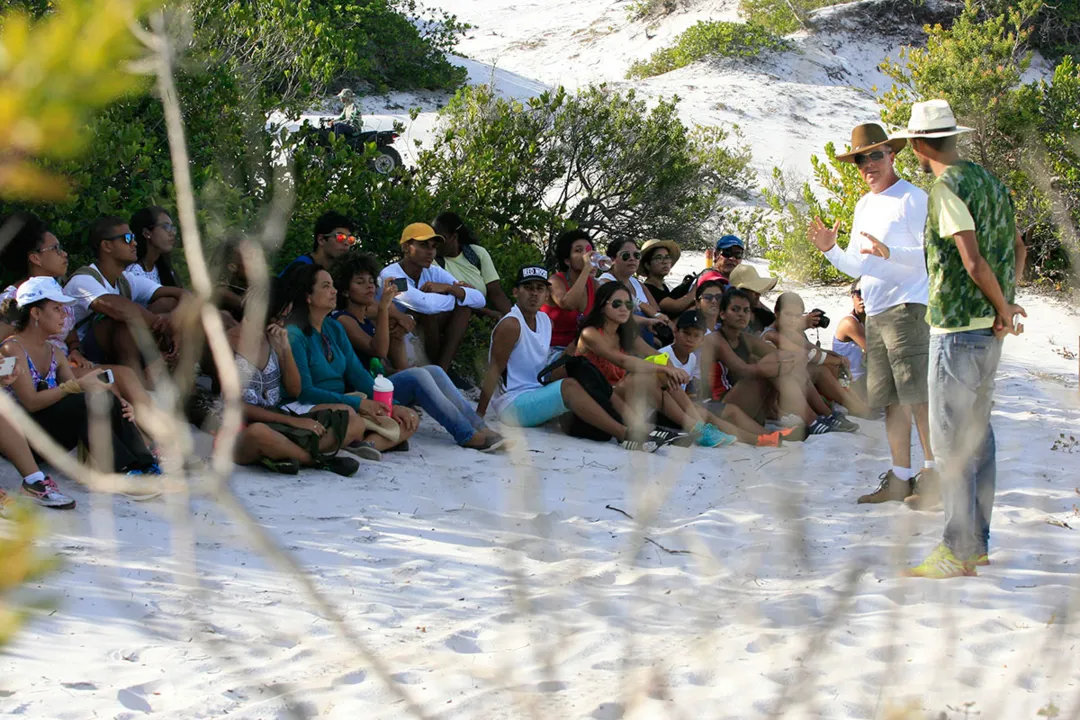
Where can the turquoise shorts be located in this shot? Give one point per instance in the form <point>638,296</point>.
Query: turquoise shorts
<point>535,407</point>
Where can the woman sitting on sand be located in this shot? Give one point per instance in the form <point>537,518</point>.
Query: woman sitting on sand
<point>822,367</point>
<point>573,288</point>
<point>625,259</point>
<point>657,259</point>
<point>330,370</point>
<point>850,341</point>
<point>744,370</point>
<point>610,340</point>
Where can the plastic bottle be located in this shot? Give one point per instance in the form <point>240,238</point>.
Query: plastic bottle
<point>383,391</point>
<point>601,262</point>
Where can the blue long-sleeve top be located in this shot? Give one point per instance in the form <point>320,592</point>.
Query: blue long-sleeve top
<point>323,381</point>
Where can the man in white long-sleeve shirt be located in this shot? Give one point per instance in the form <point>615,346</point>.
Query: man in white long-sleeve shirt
<point>886,251</point>
<point>441,305</point>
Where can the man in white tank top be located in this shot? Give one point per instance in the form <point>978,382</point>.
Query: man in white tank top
<point>519,351</point>
<point>886,250</point>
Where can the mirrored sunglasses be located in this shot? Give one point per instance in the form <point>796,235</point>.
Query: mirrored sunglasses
<point>636,254</point>
<point>128,237</point>
<point>342,238</point>
<point>619,304</point>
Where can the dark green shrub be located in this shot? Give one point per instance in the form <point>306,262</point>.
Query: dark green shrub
<point>704,40</point>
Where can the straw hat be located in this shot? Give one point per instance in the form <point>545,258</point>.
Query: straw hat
<point>866,138</point>
<point>745,277</point>
<point>932,119</point>
<point>651,245</point>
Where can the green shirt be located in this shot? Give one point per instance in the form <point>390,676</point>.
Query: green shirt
<point>464,271</point>
<point>956,303</point>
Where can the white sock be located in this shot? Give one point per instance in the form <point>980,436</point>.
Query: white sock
<point>901,472</point>
<point>929,465</point>
<point>34,477</point>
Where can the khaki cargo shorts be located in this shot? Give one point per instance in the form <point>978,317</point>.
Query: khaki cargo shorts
<point>897,356</point>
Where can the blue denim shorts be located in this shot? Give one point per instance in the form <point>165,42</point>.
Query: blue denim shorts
<point>535,407</point>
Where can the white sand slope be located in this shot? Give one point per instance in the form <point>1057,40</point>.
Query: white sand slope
<point>499,586</point>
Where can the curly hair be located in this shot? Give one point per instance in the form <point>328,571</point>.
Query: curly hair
<point>353,264</point>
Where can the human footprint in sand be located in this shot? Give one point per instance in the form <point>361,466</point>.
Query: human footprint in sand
<point>974,255</point>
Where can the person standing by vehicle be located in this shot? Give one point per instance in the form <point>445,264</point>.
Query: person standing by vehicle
<point>894,291</point>
<point>974,255</point>
<point>461,256</point>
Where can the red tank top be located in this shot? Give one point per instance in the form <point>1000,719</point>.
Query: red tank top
<point>564,323</point>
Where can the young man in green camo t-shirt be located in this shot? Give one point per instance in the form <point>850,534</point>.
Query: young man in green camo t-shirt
<point>973,257</point>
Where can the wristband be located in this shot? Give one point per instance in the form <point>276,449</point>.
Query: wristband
<point>821,358</point>
<point>810,354</point>
<point>70,387</point>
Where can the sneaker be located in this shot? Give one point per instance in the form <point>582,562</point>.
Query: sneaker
<point>925,491</point>
<point>46,494</point>
<point>344,466</point>
<point>979,559</point>
<point>820,426</point>
<point>365,450</point>
<point>493,443</point>
<point>840,423</point>
<point>707,435</point>
<point>647,446</point>
<point>288,466</point>
<point>891,489</point>
<point>402,446</point>
<point>140,495</point>
<point>770,440</point>
<point>941,564</point>
<point>665,436</point>
<point>725,439</point>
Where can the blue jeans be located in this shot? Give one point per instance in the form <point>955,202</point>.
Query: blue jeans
<point>431,389</point>
<point>961,383</point>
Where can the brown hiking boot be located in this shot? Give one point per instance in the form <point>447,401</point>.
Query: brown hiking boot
<point>925,491</point>
<point>891,489</point>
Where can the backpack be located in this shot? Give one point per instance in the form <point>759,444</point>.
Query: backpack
<point>468,252</point>
<point>123,287</point>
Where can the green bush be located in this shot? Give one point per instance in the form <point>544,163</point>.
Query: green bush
<point>599,160</point>
<point>645,9</point>
<point>782,17</point>
<point>716,39</point>
<point>787,246</point>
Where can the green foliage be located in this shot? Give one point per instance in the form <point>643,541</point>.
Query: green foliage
<point>646,9</point>
<point>1055,30</point>
<point>242,61</point>
<point>715,39</point>
<point>977,65</point>
<point>599,160</point>
<point>781,17</point>
<point>787,245</point>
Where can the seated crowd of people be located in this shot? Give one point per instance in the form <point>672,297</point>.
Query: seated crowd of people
<point>352,349</point>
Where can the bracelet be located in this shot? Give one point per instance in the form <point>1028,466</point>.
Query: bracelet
<point>70,387</point>
<point>811,353</point>
<point>822,356</point>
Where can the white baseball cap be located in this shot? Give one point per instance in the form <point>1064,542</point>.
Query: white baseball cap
<point>40,288</point>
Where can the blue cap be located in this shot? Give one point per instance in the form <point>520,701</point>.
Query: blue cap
<point>728,241</point>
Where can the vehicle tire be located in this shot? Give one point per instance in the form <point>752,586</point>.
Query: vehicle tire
<point>386,161</point>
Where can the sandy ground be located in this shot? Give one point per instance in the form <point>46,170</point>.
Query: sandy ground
<point>503,586</point>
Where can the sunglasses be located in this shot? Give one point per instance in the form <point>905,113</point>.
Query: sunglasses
<point>732,253</point>
<point>619,304</point>
<point>712,297</point>
<point>128,237</point>
<point>863,158</point>
<point>167,227</point>
<point>342,238</point>
<point>636,254</point>
<point>857,293</point>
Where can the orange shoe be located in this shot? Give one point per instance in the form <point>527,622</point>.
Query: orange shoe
<point>771,440</point>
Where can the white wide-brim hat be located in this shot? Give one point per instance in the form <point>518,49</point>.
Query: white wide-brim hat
<point>931,119</point>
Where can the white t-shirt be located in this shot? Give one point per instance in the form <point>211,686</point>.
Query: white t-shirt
<point>639,290</point>
<point>896,216</point>
<point>86,289</point>
<point>690,366</point>
<point>428,303</point>
<point>137,269</point>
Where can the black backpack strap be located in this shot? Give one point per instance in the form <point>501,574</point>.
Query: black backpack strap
<point>471,255</point>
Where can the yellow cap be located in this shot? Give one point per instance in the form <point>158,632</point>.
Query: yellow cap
<point>419,231</point>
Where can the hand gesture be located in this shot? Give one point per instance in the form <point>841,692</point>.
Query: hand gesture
<point>278,337</point>
<point>1010,324</point>
<point>126,410</point>
<point>372,409</point>
<point>78,361</point>
<point>822,236</point>
<point>436,288</point>
<point>405,417</point>
<point>389,292</point>
<point>877,247</point>
<point>15,374</point>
